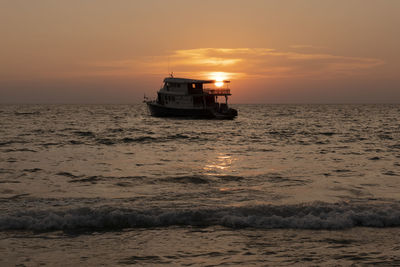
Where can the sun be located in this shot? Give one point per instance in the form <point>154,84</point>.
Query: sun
<point>219,83</point>
<point>219,78</point>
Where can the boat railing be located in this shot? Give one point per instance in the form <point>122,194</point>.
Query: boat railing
<point>224,91</point>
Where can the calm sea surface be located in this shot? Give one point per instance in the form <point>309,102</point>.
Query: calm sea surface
<point>279,185</point>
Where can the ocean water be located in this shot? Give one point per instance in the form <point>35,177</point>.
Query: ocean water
<point>279,185</point>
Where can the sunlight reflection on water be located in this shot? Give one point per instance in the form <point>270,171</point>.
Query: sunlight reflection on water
<point>221,165</point>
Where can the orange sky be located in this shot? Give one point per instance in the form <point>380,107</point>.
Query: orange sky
<point>300,51</point>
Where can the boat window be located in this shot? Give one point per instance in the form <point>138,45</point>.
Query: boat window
<point>174,85</point>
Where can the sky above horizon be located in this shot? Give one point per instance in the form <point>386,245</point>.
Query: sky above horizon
<point>100,51</point>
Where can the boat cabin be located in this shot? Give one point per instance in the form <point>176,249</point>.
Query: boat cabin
<point>180,92</point>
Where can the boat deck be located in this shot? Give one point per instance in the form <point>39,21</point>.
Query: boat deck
<point>217,91</point>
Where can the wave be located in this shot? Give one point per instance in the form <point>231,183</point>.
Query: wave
<point>304,216</point>
<point>145,139</point>
<point>69,175</point>
<point>200,179</point>
<point>84,133</point>
<point>187,179</point>
<point>26,113</point>
<point>6,143</point>
<point>19,150</point>
<point>141,139</point>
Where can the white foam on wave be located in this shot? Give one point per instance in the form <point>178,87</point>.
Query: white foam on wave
<point>311,216</point>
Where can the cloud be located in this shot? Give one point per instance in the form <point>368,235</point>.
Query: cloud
<point>237,63</point>
<point>307,47</point>
<point>271,63</point>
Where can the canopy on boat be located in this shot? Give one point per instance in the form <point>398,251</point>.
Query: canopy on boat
<point>184,80</point>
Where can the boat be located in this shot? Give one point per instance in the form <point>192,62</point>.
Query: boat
<point>182,97</point>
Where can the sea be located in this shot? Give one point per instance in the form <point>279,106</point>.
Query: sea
<point>280,185</point>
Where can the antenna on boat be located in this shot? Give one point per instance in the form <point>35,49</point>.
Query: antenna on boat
<point>170,73</point>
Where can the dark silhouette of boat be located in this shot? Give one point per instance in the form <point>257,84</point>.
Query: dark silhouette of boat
<point>181,97</point>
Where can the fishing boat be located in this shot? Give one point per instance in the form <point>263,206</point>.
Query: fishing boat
<point>182,97</point>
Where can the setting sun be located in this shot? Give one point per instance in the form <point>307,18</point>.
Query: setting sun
<point>219,78</point>
<point>219,83</point>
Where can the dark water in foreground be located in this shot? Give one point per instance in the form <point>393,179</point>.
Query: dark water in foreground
<point>280,185</point>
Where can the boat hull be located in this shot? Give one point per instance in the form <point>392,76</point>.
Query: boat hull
<point>157,110</point>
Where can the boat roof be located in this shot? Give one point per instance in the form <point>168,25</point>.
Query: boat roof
<point>185,80</point>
